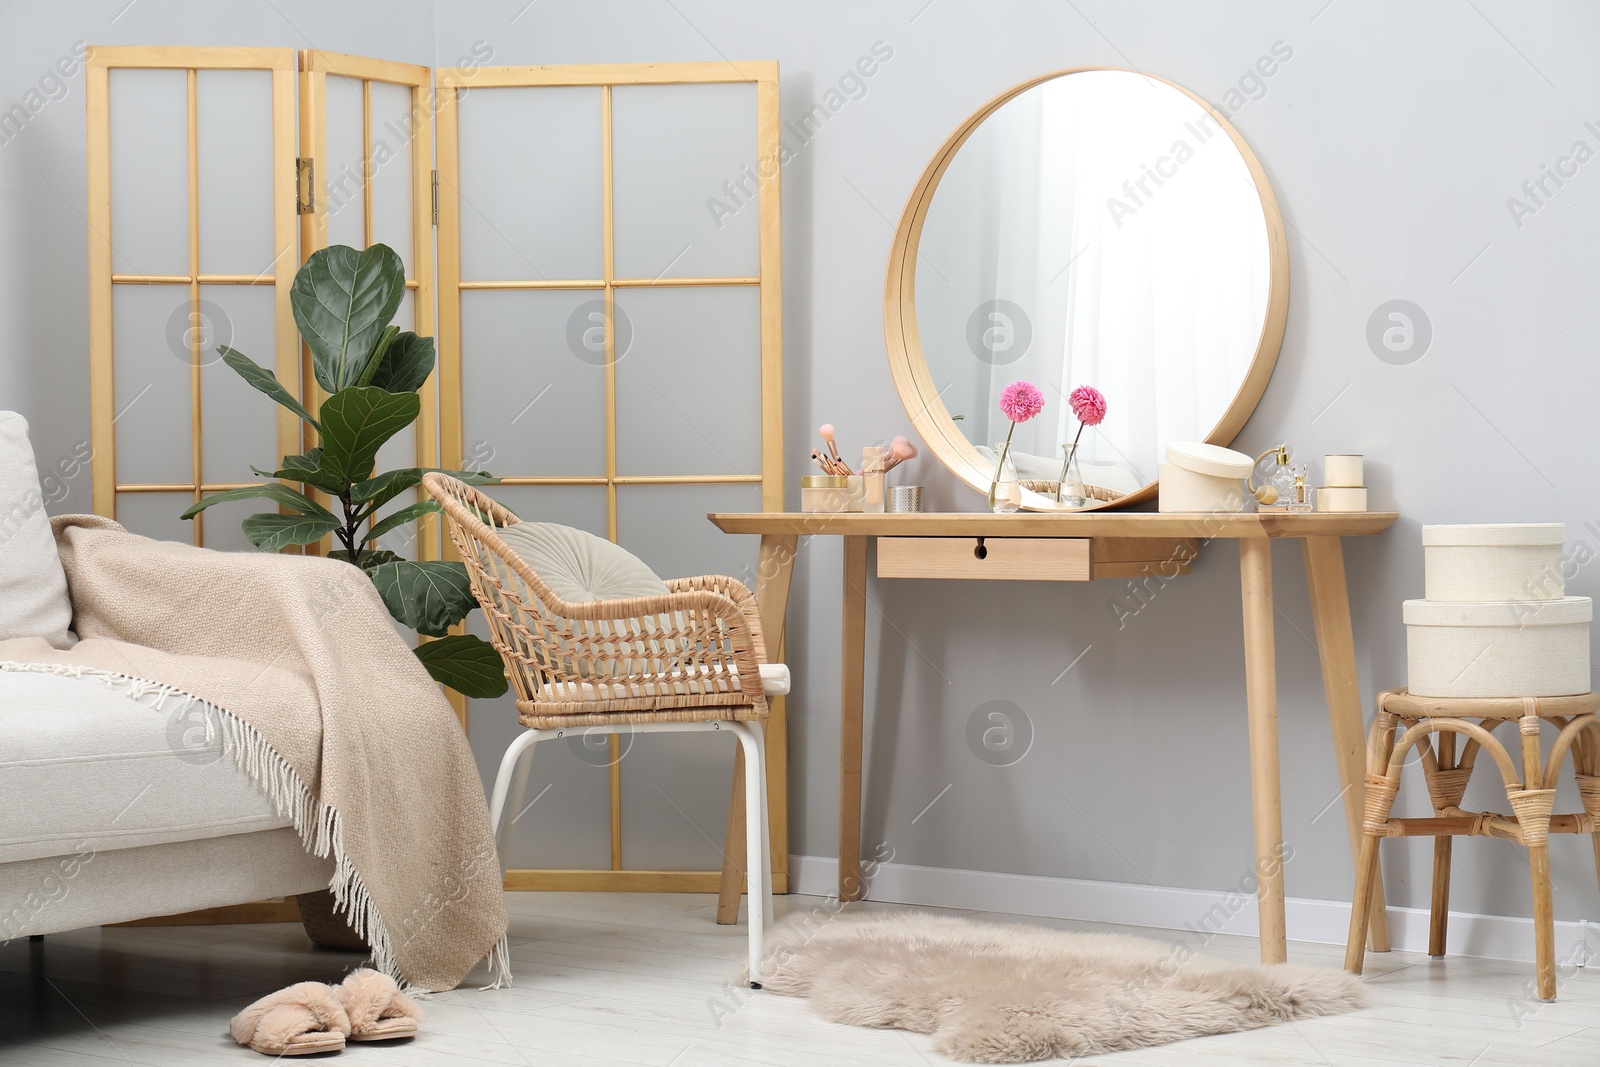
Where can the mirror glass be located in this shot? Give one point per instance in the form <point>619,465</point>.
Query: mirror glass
<point>1100,228</point>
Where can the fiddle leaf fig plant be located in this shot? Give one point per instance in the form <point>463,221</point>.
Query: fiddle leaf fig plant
<point>343,302</point>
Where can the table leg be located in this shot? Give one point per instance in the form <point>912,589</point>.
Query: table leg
<point>1261,691</point>
<point>853,639</point>
<point>774,570</point>
<point>1336,648</point>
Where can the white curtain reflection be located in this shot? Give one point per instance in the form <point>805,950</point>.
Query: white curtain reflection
<point>1126,226</point>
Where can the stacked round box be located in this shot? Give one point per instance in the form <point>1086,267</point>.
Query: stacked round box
<point>1495,621</point>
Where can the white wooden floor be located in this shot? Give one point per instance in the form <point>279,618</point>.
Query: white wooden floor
<point>608,979</point>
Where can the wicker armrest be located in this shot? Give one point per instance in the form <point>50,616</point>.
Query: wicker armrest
<point>628,621</point>
<point>734,590</point>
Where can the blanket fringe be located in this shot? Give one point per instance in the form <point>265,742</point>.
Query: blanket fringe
<point>499,963</point>
<point>319,826</point>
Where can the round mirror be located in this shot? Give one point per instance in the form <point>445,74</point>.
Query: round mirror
<point>1098,228</point>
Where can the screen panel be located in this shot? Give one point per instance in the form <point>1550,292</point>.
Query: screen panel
<point>686,181</point>
<point>389,152</point>
<point>191,241</point>
<point>689,382</point>
<point>366,124</point>
<point>154,514</point>
<point>539,406</point>
<point>234,120</point>
<point>665,525</point>
<point>550,140</point>
<point>657,374</point>
<point>675,799</point>
<point>149,328</point>
<point>149,152</point>
<point>342,164</point>
<point>240,425</point>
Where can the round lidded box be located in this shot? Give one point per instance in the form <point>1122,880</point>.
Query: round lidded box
<point>1493,561</point>
<point>1508,648</point>
<point>824,492</point>
<point>1202,477</point>
<point>1342,498</point>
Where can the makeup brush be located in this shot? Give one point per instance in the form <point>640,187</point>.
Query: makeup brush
<point>900,450</point>
<point>826,430</point>
<point>825,462</point>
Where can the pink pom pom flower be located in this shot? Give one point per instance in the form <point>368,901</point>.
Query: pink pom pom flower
<point>1088,404</point>
<point>1021,401</point>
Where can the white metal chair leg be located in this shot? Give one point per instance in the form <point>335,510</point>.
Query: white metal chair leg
<point>513,765</point>
<point>758,865</point>
<point>519,792</point>
<point>759,730</point>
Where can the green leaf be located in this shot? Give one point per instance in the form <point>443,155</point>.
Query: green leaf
<point>371,559</point>
<point>307,468</point>
<point>342,300</point>
<point>429,597</point>
<point>465,663</point>
<point>270,532</point>
<point>405,366</point>
<point>403,516</point>
<point>264,380</point>
<point>355,424</point>
<point>390,332</point>
<point>385,487</point>
<point>275,491</point>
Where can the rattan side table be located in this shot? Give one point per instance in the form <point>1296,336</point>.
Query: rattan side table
<point>1404,722</point>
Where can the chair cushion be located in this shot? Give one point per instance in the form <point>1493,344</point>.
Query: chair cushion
<point>774,683</point>
<point>578,566</point>
<point>86,766</point>
<point>33,587</point>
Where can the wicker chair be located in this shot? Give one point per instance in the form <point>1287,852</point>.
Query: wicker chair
<point>689,660</point>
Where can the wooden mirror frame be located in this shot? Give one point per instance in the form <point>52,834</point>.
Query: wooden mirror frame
<point>909,366</point>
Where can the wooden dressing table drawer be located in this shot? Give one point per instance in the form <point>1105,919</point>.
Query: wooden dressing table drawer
<point>1039,559</point>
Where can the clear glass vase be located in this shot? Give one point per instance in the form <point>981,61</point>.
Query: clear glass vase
<point>1005,495</point>
<point>1070,491</point>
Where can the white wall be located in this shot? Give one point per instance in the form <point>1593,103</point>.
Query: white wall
<point>1393,137</point>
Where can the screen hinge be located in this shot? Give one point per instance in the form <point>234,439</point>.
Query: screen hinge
<point>436,198</point>
<point>305,201</point>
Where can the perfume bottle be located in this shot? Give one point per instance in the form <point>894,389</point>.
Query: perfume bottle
<point>1299,498</point>
<point>1277,488</point>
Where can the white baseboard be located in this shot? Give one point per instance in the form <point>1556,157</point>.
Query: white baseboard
<point>1501,937</point>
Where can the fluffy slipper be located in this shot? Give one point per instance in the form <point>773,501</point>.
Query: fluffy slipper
<point>298,1021</point>
<point>378,1011</point>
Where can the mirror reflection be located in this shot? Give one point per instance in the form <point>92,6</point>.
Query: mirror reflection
<point>1099,229</point>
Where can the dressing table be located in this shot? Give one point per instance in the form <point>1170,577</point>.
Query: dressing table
<point>1105,228</point>
<point>1082,547</point>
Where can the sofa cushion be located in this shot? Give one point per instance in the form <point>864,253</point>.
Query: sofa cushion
<point>84,765</point>
<point>33,587</point>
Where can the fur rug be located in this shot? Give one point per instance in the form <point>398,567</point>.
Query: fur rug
<point>1004,993</point>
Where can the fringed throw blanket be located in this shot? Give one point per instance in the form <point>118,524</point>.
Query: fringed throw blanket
<point>295,662</point>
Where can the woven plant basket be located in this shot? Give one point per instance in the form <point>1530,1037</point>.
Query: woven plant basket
<point>326,928</point>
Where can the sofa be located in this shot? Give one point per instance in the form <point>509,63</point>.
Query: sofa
<point>113,807</point>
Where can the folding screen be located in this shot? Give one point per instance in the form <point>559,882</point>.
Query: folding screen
<point>609,331</point>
